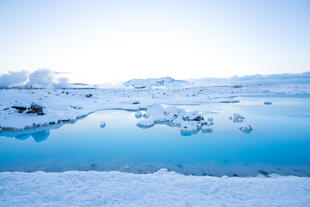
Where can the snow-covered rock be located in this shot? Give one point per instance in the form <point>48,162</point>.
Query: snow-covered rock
<point>102,124</point>
<point>237,118</point>
<point>138,114</point>
<point>189,126</point>
<point>146,115</point>
<point>245,128</point>
<point>206,129</point>
<point>146,123</point>
<point>178,121</point>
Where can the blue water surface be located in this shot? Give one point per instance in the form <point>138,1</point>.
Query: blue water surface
<point>279,142</point>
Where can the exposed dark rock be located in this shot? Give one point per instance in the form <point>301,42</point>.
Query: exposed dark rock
<point>76,107</point>
<point>198,118</point>
<point>20,109</point>
<point>136,102</point>
<point>8,129</point>
<point>264,173</point>
<point>35,109</point>
<point>89,95</point>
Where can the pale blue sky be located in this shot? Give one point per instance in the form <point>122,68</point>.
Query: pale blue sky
<point>98,41</point>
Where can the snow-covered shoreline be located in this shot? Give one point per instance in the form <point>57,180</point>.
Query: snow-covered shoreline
<point>63,105</point>
<point>162,188</point>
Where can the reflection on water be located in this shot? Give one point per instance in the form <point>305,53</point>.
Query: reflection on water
<point>279,143</point>
<point>38,134</point>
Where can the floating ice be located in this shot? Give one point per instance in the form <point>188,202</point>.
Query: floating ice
<point>146,123</point>
<point>207,123</point>
<point>178,121</point>
<point>237,118</point>
<point>206,129</point>
<point>188,122</point>
<point>146,115</point>
<point>245,128</point>
<point>138,114</point>
<point>189,126</point>
<point>102,124</point>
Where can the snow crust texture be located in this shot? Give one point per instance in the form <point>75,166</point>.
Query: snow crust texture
<point>162,188</point>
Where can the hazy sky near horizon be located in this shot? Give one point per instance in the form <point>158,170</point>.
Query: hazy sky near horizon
<point>99,41</point>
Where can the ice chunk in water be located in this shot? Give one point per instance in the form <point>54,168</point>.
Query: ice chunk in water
<point>245,128</point>
<point>138,114</point>
<point>189,126</point>
<point>102,124</point>
<point>206,129</point>
<point>237,118</point>
<point>146,123</point>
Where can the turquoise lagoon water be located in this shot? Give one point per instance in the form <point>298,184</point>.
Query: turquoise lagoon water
<point>279,143</point>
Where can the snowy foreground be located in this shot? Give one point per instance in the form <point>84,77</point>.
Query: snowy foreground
<point>159,189</point>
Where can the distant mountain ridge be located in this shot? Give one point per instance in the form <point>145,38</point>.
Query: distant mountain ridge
<point>150,82</point>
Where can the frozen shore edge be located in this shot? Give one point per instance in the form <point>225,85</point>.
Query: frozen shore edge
<point>94,188</point>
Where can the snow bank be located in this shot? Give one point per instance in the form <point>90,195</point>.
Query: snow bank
<point>162,188</point>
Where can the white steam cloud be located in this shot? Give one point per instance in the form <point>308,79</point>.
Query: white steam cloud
<point>13,78</point>
<point>41,78</point>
